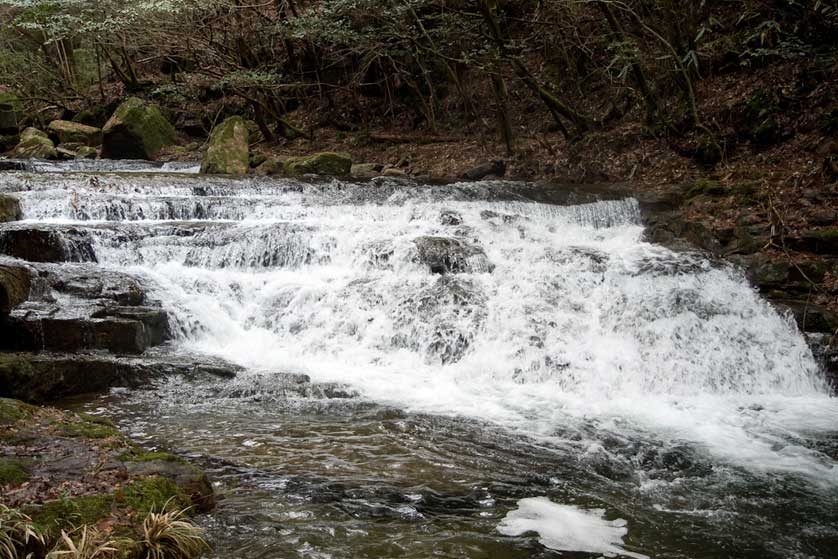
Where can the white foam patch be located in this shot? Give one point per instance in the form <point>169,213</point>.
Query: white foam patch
<point>567,528</point>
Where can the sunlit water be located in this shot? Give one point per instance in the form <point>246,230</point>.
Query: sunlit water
<point>569,360</point>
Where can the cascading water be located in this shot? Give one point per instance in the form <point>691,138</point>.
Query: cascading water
<point>656,385</point>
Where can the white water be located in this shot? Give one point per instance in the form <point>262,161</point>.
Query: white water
<point>567,528</point>
<point>580,323</point>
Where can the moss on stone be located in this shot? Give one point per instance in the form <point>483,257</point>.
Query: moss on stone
<point>326,163</point>
<point>228,149</point>
<point>90,428</point>
<point>12,471</point>
<point>12,411</point>
<point>150,494</point>
<point>706,187</point>
<point>136,129</point>
<point>35,144</point>
<point>72,511</point>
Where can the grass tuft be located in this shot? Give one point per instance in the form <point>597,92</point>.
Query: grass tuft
<point>167,536</point>
<point>91,544</point>
<point>16,533</point>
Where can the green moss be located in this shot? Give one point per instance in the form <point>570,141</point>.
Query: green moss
<point>90,428</point>
<point>72,511</point>
<point>142,121</point>
<point>12,411</point>
<point>228,149</point>
<point>12,472</point>
<point>152,494</point>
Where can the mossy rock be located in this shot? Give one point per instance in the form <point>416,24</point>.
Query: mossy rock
<point>139,455</point>
<point>152,494</point>
<point>12,471</point>
<point>9,209</point>
<point>35,144</point>
<point>12,411</point>
<point>69,132</point>
<point>228,149</point>
<point>90,427</point>
<point>87,152</point>
<point>136,130</point>
<point>325,163</point>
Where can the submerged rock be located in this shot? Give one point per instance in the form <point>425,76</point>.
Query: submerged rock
<point>228,149</point>
<point>69,132</point>
<point>9,209</point>
<point>446,255</point>
<point>326,163</point>
<point>136,130</point>
<point>35,144</point>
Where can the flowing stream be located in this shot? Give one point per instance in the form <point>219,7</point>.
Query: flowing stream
<point>563,388</point>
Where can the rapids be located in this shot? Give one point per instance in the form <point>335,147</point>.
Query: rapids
<point>562,356</point>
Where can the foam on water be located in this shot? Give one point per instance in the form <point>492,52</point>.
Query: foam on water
<point>567,528</point>
<point>578,322</point>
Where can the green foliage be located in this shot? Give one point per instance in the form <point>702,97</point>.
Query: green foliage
<point>12,472</point>
<point>16,532</point>
<point>153,494</point>
<point>68,512</point>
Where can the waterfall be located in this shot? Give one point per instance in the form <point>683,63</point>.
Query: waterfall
<point>461,300</point>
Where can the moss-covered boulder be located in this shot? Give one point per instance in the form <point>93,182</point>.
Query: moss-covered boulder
<point>69,132</point>
<point>228,149</point>
<point>87,152</point>
<point>35,144</point>
<point>326,163</point>
<point>9,113</point>
<point>9,208</point>
<point>137,130</point>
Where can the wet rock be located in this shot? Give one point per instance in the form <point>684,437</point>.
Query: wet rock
<point>15,282</point>
<point>672,230</point>
<point>366,170</point>
<point>495,169</point>
<point>228,149</point>
<point>809,317</point>
<point>43,377</point>
<point>6,165</point>
<point>450,218</point>
<point>825,349</point>
<point>326,163</point>
<point>9,209</point>
<point>155,321</point>
<point>35,144</point>
<point>44,245</point>
<point>446,255</point>
<point>109,285</point>
<point>74,132</point>
<point>136,130</point>
<point>63,153</point>
<point>36,330</point>
<point>777,274</point>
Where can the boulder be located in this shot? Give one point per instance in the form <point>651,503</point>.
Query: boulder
<point>270,167</point>
<point>190,479</point>
<point>136,130</point>
<point>87,152</point>
<point>74,132</point>
<point>366,170</point>
<point>228,149</point>
<point>9,208</point>
<point>34,144</point>
<point>325,163</point>
<point>36,330</point>
<point>15,282</point>
<point>492,168</point>
<point>9,113</point>
<point>809,317</point>
<point>446,255</point>
<point>155,321</point>
<point>44,245</point>
<point>8,141</point>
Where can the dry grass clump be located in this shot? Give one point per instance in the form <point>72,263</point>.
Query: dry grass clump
<point>16,532</point>
<point>167,536</point>
<point>90,545</point>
